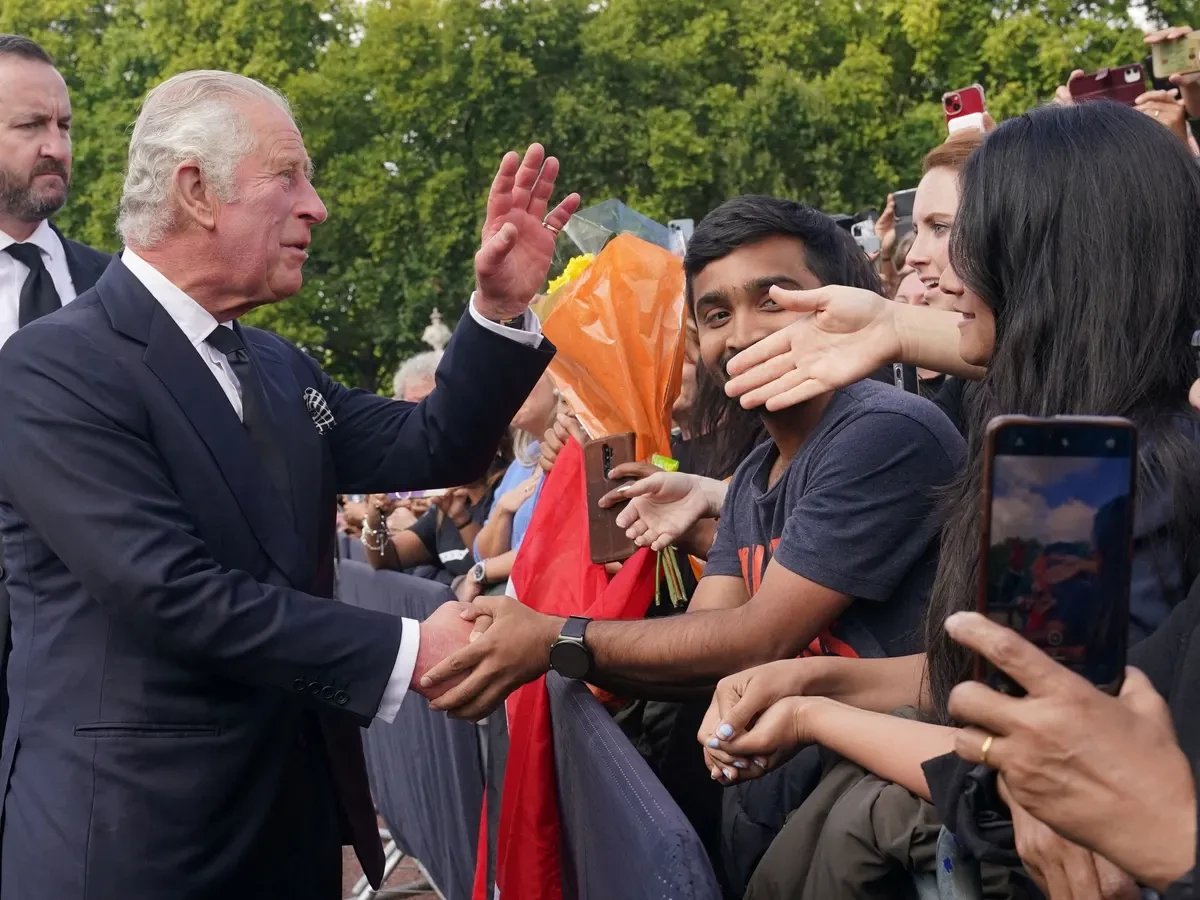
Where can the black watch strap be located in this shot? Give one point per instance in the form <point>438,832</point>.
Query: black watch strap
<point>574,627</point>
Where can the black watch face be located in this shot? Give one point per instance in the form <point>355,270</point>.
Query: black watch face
<point>569,659</point>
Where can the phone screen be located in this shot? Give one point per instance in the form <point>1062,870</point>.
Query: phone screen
<point>1059,533</point>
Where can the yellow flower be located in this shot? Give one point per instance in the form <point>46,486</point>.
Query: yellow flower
<point>573,270</point>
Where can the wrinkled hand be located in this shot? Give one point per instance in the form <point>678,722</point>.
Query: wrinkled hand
<point>513,650</point>
<point>565,427</point>
<point>1062,93</point>
<point>511,266</point>
<point>441,634</point>
<point>846,335</point>
<point>662,505</point>
<point>776,735</point>
<point>1078,759</point>
<point>1166,108</point>
<point>1063,870</point>
<point>1187,82</point>
<point>512,500</point>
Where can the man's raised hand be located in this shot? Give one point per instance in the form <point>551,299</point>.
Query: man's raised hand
<point>518,234</point>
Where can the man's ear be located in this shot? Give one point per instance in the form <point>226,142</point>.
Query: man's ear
<point>196,201</point>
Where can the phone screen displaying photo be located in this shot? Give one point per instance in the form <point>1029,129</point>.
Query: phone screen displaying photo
<point>1059,534</point>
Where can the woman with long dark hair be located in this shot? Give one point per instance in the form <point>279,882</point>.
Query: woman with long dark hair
<point>1076,277</point>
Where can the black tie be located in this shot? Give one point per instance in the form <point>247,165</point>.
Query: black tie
<point>255,416</point>
<point>38,295</point>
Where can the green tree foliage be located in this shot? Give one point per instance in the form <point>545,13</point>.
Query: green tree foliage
<point>407,105</point>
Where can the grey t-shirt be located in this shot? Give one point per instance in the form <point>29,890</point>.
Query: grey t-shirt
<point>854,512</point>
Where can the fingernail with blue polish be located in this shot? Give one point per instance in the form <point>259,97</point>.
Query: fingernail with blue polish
<point>726,773</point>
<point>760,762</point>
<point>739,765</point>
<point>714,743</point>
<point>725,732</point>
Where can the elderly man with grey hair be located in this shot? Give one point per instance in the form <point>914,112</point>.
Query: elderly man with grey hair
<point>186,698</point>
<point>415,379</point>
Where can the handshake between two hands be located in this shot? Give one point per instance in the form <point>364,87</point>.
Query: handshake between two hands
<point>473,655</point>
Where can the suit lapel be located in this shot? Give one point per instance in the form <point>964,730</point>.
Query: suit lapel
<point>298,435</point>
<point>85,267</point>
<point>181,370</point>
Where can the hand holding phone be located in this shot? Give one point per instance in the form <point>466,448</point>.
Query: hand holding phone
<point>607,539</point>
<point>1056,541</point>
<point>1176,55</point>
<point>964,108</point>
<point>1123,84</point>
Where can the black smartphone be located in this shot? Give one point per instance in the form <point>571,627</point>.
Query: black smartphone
<point>1056,541</point>
<point>904,211</point>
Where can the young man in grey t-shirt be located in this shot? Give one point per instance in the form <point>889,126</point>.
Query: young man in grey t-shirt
<point>827,539</point>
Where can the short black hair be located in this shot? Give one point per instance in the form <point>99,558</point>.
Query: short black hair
<point>829,251</point>
<point>25,48</point>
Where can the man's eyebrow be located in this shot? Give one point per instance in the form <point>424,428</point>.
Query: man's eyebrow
<point>712,298</point>
<point>761,285</point>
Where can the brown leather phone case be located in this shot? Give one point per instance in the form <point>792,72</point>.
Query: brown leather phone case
<point>607,539</point>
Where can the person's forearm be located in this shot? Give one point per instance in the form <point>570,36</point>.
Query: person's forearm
<point>695,649</point>
<point>888,746</point>
<point>877,685</point>
<point>377,545</point>
<point>929,339</point>
<point>469,532</point>
<point>497,568</point>
<point>496,535</point>
<point>698,539</point>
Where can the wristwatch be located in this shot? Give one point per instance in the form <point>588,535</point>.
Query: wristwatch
<point>569,655</point>
<point>479,573</point>
<point>517,322</point>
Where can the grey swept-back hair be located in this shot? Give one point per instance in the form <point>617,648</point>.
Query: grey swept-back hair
<point>190,116</point>
<point>423,365</point>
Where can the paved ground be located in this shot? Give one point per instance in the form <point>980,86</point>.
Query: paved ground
<point>406,873</point>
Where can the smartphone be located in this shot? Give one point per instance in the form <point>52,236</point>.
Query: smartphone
<point>864,235</point>
<point>1124,84</point>
<point>903,201</point>
<point>417,495</point>
<point>1177,56</point>
<point>607,540</point>
<point>964,108</point>
<point>1056,541</point>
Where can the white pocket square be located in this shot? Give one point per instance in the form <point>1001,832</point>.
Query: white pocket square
<point>319,410</point>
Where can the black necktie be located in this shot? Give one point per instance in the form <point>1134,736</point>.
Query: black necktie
<point>38,295</point>
<point>255,416</point>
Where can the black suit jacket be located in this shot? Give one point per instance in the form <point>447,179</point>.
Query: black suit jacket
<point>172,640</point>
<point>86,266</point>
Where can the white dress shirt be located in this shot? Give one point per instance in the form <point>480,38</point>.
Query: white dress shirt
<point>197,323</point>
<point>13,275</point>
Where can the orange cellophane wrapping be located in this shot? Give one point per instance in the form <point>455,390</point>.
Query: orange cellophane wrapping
<point>619,333</point>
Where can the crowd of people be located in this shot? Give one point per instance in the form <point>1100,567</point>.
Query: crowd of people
<point>823,661</point>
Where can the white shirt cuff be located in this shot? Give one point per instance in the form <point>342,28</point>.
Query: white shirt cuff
<point>402,672</point>
<point>529,334</point>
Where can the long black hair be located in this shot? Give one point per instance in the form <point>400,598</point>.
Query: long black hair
<point>1080,228</point>
<point>830,253</point>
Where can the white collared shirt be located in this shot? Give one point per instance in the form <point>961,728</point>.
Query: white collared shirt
<point>197,323</point>
<point>13,275</point>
